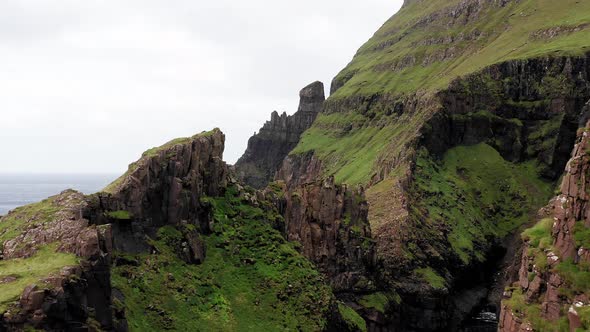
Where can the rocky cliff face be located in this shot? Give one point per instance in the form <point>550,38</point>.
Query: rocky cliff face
<point>330,222</point>
<point>71,294</point>
<point>508,115</point>
<point>267,149</point>
<point>550,292</point>
<point>164,187</point>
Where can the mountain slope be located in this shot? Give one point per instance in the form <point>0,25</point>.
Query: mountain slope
<point>174,244</point>
<point>399,209</point>
<point>442,81</point>
<point>427,44</point>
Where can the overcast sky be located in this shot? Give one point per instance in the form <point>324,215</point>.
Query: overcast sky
<point>86,86</point>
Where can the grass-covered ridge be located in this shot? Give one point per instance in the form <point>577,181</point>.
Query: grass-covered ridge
<point>16,274</point>
<point>251,280</point>
<point>20,218</point>
<point>474,195</point>
<point>153,152</point>
<point>425,47</point>
<point>350,144</point>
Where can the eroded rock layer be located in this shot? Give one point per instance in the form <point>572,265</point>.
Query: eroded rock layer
<point>267,149</point>
<point>164,188</point>
<point>550,292</point>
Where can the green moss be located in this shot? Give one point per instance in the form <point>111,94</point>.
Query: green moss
<point>582,235</point>
<point>539,236</point>
<point>29,270</point>
<point>532,313</point>
<point>476,195</point>
<point>155,151</point>
<point>354,321</point>
<point>121,215</point>
<point>431,277</point>
<point>506,33</point>
<point>377,301</point>
<point>251,280</point>
<point>18,220</point>
<point>584,314</point>
<point>577,277</point>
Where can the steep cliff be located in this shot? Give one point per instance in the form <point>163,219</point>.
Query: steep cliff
<point>267,149</point>
<point>457,117</point>
<point>551,291</point>
<point>164,187</point>
<point>54,273</point>
<point>397,204</point>
<point>174,244</point>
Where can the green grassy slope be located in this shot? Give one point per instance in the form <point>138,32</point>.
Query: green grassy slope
<point>251,280</point>
<point>418,52</point>
<point>474,195</point>
<point>503,33</point>
<point>29,271</point>
<point>18,273</point>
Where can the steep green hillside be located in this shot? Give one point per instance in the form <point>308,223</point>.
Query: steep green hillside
<point>251,279</point>
<point>474,195</point>
<point>383,97</point>
<point>429,43</point>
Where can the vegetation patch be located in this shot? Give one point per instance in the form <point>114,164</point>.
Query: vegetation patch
<point>473,195</point>
<point>27,216</point>
<point>352,319</point>
<point>582,235</point>
<point>577,277</point>
<point>27,271</point>
<point>539,240</point>
<point>431,277</point>
<point>406,55</point>
<point>531,312</point>
<point>379,301</point>
<point>251,280</point>
<point>120,215</point>
<point>351,144</point>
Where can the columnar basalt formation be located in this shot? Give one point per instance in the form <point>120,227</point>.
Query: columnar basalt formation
<point>267,149</point>
<point>550,292</point>
<point>164,187</point>
<point>330,222</point>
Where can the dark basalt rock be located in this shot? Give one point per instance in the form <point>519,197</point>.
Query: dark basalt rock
<point>330,222</point>
<point>546,289</point>
<point>164,187</point>
<point>267,149</point>
<point>525,109</point>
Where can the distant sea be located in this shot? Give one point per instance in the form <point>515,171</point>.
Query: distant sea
<point>22,189</point>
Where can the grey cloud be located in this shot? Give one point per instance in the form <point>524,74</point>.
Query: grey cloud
<point>86,86</point>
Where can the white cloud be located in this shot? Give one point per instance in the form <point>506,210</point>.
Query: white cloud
<point>86,86</point>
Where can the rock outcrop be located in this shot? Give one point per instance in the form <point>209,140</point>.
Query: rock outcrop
<point>549,289</point>
<point>64,301</point>
<point>330,222</point>
<point>164,188</point>
<point>267,149</point>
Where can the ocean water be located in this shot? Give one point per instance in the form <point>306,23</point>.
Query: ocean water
<point>22,189</point>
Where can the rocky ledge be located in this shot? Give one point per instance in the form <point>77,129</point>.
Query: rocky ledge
<point>551,290</point>
<point>66,242</point>
<point>267,149</point>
